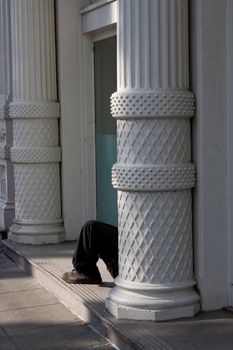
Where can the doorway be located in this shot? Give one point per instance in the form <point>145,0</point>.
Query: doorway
<point>105,129</point>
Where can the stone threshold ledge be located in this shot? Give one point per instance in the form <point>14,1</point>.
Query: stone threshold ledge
<point>48,262</point>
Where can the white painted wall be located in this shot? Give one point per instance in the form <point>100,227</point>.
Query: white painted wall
<point>75,75</point>
<point>211,139</point>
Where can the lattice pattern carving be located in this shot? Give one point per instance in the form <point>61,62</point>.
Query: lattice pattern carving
<point>153,178</point>
<point>35,155</point>
<point>153,141</point>
<point>4,152</point>
<point>3,182</point>
<point>147,104</point>
<point>37,192</point>
<point>155,236</point>
<point>7,152</point>
<point>3,111</point>
<point>3,106</point>
<point>34,110</point>
<point>2,132</point>
<point>36,132</point>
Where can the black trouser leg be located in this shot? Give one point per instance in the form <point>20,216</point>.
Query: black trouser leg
<point>96,240</point>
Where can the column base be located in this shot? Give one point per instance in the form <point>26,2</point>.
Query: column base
<point>37,233</point>
<point>141,301</point>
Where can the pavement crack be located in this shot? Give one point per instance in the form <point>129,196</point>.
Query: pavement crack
<point>20,290</point>
<point>29,307</point>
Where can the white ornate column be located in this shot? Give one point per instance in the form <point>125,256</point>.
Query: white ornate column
<point>35,113</point>
<point>6,167</point>
<point>154,174</point>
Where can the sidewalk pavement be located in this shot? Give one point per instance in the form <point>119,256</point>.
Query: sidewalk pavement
<point>31,318</point>
<point>205,331</point>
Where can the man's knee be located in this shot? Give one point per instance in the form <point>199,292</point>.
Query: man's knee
<point>90,222</point>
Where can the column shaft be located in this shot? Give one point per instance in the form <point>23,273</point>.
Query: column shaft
<point>154,174</point>
<point>35,112</point>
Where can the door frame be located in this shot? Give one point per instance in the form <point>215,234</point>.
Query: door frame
<point>75,58</point>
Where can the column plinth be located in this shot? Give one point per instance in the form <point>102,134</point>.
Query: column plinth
<point>154,173</point>
<point>138,301</point>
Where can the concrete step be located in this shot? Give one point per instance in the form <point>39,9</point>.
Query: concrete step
<point>47,263</point>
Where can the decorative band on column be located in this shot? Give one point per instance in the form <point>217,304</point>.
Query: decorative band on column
<point>34,110</point>
<point>35,155</point>
<point>150,104</point>
<point>153,178</point>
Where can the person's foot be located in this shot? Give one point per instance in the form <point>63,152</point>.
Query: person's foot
<point>80,278</point>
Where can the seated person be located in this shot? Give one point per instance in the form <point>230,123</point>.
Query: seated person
<point>96,240</point>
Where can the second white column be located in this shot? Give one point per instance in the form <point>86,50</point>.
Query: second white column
<point>35,112</point>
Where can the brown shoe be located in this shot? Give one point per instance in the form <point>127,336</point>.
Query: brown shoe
<point>80,278</point>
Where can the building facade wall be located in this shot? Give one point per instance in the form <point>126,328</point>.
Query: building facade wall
<point>211,55</point>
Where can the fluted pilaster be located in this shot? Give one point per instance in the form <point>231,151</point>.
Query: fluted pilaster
<point>5,55</point>
<point>154,174</point>
<point>6,168</point>
<point>35,112</point>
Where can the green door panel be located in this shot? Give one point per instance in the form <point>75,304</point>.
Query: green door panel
<point>105,129</point>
